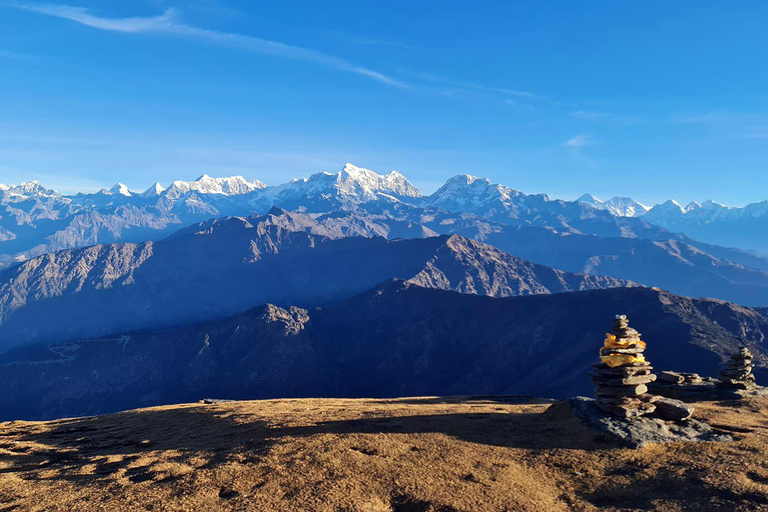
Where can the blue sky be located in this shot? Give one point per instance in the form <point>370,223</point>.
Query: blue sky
<point>649,99</point>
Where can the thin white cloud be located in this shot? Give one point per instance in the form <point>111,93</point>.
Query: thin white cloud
<point>588,115</point>
<point>363,41</point>
<point>579,141</point>
<point>477,87</point>
<point>168,23</point>
<point>5,54</point>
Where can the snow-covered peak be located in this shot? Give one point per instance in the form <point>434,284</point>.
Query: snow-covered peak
<point>670,204</point>
<point>205,184</point>
<point>155,190</point>
<point>662,213</point>
<point>626,207</point>
<point>617,206</point>
<point>590,199</point>
<point>461,180</point>
<point>693,205</point>
<point>350,185</point>
<point>121,190</point>
<point>752,210</point>
<point>711,205</point>
<point>472,193</point>
<point>365,183</point>
<point>30,189</point>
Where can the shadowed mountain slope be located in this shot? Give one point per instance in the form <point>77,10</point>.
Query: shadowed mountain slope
<point>397,339</point>
<point>226,266</point>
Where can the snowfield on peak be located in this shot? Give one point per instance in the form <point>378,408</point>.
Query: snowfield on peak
<point>471,193</point>
<point>235,185</point>
<point>618,206</point>
<point>35,220</point>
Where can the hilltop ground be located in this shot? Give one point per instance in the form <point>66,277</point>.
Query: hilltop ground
<point>403,455</point>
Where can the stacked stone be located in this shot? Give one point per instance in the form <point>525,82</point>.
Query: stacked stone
<point>623,373</point>
<point>737,373</point>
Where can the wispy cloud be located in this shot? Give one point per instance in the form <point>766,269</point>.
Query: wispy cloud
<point>588,115</point>
<point>169,24</point>
<point>364,41</point>
<point>576,144</point>
<point>477,87</point>
<point>579,141</point>
<point>5,54</point>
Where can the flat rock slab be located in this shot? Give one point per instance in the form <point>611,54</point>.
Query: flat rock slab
<point>642,431</point>
<point>704,391</point>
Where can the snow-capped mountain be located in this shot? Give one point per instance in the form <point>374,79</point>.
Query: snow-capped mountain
<point>323,191</point>
<point>28,188</point>
<point>745,227</point>
<point>476,195</point>
<point>233,186</point>
<point>155,190</point>
<point>669,209</point>
<point>120,189</point>
<point>35,220</point>
<point>618,206</point>
<point>481,197</point>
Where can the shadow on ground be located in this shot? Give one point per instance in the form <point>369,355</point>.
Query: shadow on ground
<point>62,447</point>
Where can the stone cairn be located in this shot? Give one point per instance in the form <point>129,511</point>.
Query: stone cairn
<point>623,373</point>
<point>737,373</point>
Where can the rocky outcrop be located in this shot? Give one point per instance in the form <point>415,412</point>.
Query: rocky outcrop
<point>645,430</point>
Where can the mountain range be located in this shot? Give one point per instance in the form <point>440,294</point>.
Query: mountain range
<point>572,236</point>
<point>346,284</point>
<point>398,339</point>
<point>225,266</point>
<point>35,220</point>
<point>742,227</point>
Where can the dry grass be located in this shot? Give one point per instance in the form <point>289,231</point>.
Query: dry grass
<point>406,455</point>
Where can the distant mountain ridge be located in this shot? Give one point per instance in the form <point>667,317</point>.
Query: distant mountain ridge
<point>398,339</point>
<point>571,236</point>
<point>743,227</point>
<point>225,266</point>
<point>35,220</point>
<point>619,206</point>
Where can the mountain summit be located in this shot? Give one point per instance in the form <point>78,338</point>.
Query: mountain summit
<point>232,186</point>
<point>352,185</point>
<point>618,206</point>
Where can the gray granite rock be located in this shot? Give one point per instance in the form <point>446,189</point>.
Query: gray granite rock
<point>671,377</point>
<point>638,389</point>
<point>674,410</point>
<point>644,430</point>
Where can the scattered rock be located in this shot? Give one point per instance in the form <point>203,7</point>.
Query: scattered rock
<point>640,431</point>
<point>692,378</point>
<point>671,409</point>
<point>671,377</point>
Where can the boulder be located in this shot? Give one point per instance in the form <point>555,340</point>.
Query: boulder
<point>643,430</point>
<point>673,410</point>
<point>671,377</point>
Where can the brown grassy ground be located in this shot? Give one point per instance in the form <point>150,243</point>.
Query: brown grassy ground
<point>405,455</point>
